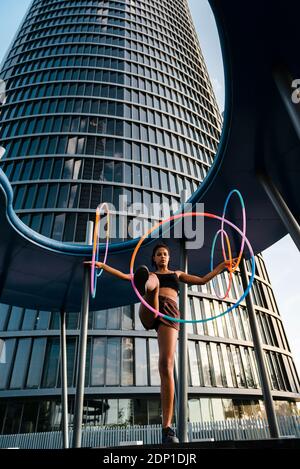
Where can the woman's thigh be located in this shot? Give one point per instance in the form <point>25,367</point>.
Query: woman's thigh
<point>147,317</point>
<point>167,339</point>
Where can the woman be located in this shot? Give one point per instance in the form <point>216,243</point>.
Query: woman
<point>160,290</point>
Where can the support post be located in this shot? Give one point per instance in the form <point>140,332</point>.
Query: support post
<point>176,395</point>
<point>182,411</point>
<point>266,388</point>
<point>281,208</point>
<point>78,411</point>
<point>64,381</point>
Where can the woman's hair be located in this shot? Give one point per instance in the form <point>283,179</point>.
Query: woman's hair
<point>158,246</point>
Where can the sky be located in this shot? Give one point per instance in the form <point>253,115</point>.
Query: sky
<point>283,258</point>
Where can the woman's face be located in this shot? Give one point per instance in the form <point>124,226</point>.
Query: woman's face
<point>161,258</point>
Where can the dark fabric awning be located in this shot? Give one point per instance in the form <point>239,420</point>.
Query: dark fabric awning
<point>256,38</point>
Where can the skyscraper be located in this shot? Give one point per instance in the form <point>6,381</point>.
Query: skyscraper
<point>106,99</point>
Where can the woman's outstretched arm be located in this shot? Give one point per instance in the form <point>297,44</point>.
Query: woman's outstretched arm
<point>110,270</point>
<point>197,280</point>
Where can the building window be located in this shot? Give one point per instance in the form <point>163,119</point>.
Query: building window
<point>36,363</point>
<point>29,319</point>
<point>194,364</point>
<point>51,364</point>
<point>127,361</point>
<point>141,373</point>
<point>6,366</point>
<point>113,361</point>
<point>20,364</point>
<point>16,317</point>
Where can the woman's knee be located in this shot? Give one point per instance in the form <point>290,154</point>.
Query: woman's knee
<point>152,284</point>
<point>166,366</point>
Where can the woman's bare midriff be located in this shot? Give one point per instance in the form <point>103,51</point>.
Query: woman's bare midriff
<point>169,292</point>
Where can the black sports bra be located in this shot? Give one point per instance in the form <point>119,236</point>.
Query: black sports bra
<point>168,281</point>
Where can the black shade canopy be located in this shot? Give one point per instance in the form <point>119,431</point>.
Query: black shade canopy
<point>257,38</point>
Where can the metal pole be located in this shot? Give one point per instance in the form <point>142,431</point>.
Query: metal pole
<point>266,388</point>
<point>283,80</point>
<point>78,411</point>
<point>182,355</point>
<point>176,395</point>
<point>64,381</point>
<point>281,207</point>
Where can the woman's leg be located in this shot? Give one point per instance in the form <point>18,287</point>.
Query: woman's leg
<point>167,338</point>
<point>151,296</point>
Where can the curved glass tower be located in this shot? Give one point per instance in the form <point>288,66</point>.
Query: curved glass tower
<point>104,99</point>
<point>108,99</point>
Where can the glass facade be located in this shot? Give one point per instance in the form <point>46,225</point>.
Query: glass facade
<point>108,99</point>
<point>101,100</point>
<point>26,416</point>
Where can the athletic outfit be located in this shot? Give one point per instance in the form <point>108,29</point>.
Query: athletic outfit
<point>167,305</point>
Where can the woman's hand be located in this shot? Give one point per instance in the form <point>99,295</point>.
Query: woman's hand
<point>227,265</point>
<point>98,265</point>
<point>109,270</point>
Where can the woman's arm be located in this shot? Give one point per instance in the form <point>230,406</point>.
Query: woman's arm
<point>110,270</point>
<point>197,280</point>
